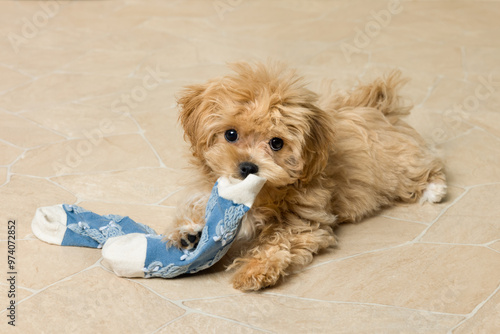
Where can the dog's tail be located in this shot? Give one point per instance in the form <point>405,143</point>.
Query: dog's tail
<point>382,94</point>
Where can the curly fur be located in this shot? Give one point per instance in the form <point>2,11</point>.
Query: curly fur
<point>339,163</point>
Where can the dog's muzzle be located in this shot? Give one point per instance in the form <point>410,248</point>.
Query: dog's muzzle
<point>246,168</point>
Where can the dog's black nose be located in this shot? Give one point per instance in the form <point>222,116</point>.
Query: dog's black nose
<point>247,168</point>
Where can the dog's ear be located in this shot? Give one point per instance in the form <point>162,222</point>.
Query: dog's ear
<point>195,108</point>
<point>190,104</point>
<point>318,143</point>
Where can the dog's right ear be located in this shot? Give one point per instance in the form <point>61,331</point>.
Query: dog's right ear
<point>191,105</point>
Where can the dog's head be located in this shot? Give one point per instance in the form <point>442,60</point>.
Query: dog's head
<point>261,120</point>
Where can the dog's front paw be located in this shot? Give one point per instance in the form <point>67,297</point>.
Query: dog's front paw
<point>185,237</point>
<point>254,275</point>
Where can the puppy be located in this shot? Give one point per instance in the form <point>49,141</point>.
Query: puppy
<point>324,165</point>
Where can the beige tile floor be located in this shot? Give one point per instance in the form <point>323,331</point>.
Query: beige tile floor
<point>77,125</point>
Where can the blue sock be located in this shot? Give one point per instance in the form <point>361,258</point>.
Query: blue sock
<point>135,250</point>
<point>71,225</point>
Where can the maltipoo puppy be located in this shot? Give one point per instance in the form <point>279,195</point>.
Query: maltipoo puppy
<point>324,165</point>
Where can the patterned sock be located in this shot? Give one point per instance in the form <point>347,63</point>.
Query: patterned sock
<point>71,225</point>
<point>135,250</point>
<point>140,255</point>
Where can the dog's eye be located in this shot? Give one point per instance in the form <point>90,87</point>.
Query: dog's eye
<point>231,135</point>
<point>276,144</point>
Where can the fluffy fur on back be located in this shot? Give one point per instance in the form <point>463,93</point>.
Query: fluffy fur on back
<point>324,165</point>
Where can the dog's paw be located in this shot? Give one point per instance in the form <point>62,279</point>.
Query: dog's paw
<point>254,276</point>
<point>185,237</point>
<point>434,193</point>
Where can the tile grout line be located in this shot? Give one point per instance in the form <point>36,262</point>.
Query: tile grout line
<point>422,234</point>
<point>106,171</point>
<point>475,310</point>
<point>364,304</point>
<point>95,265</point>
<point>352,256</point>
<point>180,303</point>
<point>404,220</point>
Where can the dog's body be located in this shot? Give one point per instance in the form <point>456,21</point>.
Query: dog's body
<point>324,166</point>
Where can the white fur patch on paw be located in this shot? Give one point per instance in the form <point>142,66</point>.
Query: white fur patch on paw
<point>434,193</point>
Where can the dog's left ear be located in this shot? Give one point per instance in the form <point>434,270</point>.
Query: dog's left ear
<point>319,143</point>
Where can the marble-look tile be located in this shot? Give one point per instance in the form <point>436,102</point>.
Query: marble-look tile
<point>460,102</point>
<point>37,61</point>
<point>485,320</point>
<point>336,61</point>
<point>55,35</point>
<point>134,40</point>
<point>496,246</point>
<point>166,135</point>
<point>64,87</point>
<point>424,213</point>
<point>19,294</point>
<point>482,60</point>
<point>371,234</point>
<point>159,100</point>
<point>22,196</point>
<point>487,120</point>
<point>3,175</point>
<point>82,121</point>
<point>141,186</point>
<point>286,315</point>
<point>197,323</point>
<point>411,26</point>
<point>11,78</point>
<point>9,153</point>
<point>198,74</point>
<point>475,219</point>
<point>165,9</point>
<point>439,126</point>
<point>472,159</point>
<point>210,283</point>
<point>51,263</point>
<point>23,133</point>
<point>106,62</point>
<point>101,26</point>
<point>93,154</point>
<point>6,289</point>
<point>188,28</point>
<point>423,56</point>
<point>102,298</point>
<point>180,54</point>
<point>440,278</point>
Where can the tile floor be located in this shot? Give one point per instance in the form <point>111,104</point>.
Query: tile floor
<point>78,126</point>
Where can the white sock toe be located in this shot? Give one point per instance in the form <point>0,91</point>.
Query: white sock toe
<point>241,192</point>
<point>434,193</point>
<point>125,255</point>
<point>49,224</point>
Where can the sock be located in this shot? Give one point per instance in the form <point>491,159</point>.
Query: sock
<point>141,255</point>
<point>71,225</point>
<point>132,249</point>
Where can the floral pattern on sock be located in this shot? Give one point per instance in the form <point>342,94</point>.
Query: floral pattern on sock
<point>100,235</point>
<point>156,269</point>
<point>227,227</point>
<point>212,201</point>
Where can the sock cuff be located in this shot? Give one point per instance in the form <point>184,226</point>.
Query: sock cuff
<point>49,224</point>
